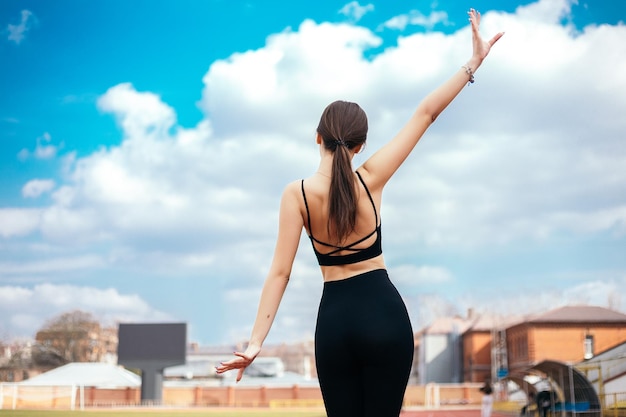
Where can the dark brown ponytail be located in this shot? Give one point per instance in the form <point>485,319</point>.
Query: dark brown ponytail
<point>343,126</point>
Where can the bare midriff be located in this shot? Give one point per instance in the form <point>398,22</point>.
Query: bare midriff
<point>340,272</point>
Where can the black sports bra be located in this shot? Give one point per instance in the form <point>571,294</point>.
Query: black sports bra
<point>358,254</point>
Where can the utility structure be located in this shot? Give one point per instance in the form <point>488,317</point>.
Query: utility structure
<point>499,359</point>
<point>152,347</point>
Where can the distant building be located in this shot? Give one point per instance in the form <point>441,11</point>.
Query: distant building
<point>16,362</point>
<point>485,354</point>
<point>477,341</point>
<point>266,370</point>
<point>480,347</point>
<point>607,372</point>
<point>439,355</point>
<point>298,358</point>
<point>568,334</point>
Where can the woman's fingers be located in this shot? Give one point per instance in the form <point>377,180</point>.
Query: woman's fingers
<point>474,16</point>
<point>481,47</point>
<point>240,362</point>
<point>495,38</point>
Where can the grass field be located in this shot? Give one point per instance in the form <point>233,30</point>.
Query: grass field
<point>164,413</point>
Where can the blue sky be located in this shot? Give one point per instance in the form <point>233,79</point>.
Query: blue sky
<point>144,146</point>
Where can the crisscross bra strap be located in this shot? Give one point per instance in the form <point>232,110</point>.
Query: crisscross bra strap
<point>359,254</point>
<point>306,205</point>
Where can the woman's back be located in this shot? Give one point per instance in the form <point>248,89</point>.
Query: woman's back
<point>360,250</point>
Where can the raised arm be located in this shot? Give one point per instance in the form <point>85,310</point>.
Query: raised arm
<point>289,230</point>
<point>384,163</point>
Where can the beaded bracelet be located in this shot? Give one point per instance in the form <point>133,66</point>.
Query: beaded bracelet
<point>468,71</point>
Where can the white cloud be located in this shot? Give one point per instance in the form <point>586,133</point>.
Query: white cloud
<point>37,187</point>
<point>25,310</point>
<point>43,149</point>
<point>138,113</point>
<point>548,12</point>
<point>532,152</point>
<point>599,288</point>
<point>282,88</point>
<point>418,275</point>
<point>416,18</point>
<point>18,32</point>
<point>425,307</point>
<point>14,295</point>
<point>18,221</point>
<point>355,11</point>
<point>50,266</point>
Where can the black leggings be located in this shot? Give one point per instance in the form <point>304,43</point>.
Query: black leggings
<point>363,346</point>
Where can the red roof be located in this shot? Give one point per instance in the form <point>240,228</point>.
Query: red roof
<point>580,314</point>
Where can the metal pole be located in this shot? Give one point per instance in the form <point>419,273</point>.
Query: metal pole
<point>14,396</point>
<point>571,388</point>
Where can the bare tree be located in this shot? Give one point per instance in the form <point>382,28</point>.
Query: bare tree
<point>46,357</point>
<point>74,335</point>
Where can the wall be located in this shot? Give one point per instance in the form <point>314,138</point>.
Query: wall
<point>60,397</point>
<point>566,342</point>
<point>530,344</point>
<point>440,359</point>
<point>477,356</point>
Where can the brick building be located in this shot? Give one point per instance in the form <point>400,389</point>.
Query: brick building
<point>477,350</point>
<point>568,334</point>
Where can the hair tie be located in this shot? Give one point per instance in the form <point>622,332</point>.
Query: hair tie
<point>340,142</point>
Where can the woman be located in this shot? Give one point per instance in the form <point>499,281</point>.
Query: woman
<point>486,404</point>
<point>363,337</point>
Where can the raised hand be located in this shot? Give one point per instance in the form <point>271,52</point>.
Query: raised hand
<point>480,46</point>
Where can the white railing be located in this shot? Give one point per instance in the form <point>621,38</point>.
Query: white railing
<point>57,396</point>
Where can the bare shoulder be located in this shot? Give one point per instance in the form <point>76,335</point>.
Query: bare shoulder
<point>291,192</point>
<point>292,188</point>
<point>291,203</point>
